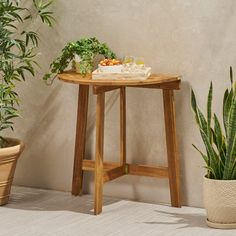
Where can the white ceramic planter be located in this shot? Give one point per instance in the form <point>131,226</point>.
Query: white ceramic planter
<point>8,160</point>
<point>220,202</point>
<point>77,63</point>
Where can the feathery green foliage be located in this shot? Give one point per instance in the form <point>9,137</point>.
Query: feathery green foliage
<point>220,156</point>
<point>86,48</point>
<point>17,52</point>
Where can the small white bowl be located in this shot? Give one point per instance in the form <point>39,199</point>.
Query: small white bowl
<point>110,69</point>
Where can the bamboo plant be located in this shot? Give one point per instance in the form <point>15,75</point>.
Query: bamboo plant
<point>17,53</point>
<point>219,140</point>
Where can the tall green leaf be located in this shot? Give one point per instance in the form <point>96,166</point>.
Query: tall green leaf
<point>220,146</point>
<point>218,133</point>
<point>214,158</point>
<point>209,105</point>
<point>231,75</point>
<point>16,55</point>
<point>194,105</point>
<point>231,141</point>
<point>226,110</point>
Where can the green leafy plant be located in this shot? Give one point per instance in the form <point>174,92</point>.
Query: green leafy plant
<point>86,48</point>
<point>220,143</point>
<point>17,53</point>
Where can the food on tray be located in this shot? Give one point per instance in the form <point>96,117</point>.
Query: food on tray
<point>110,62</point>
<point>110,66</point>
<point>130,64</point>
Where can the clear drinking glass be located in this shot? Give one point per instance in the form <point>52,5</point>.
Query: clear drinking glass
<point>139,62</point>
<point>128,63</point>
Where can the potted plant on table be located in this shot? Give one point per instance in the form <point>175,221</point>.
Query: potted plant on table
<point>82,54</point>
<point>17,53</point>
<point>220,158</point>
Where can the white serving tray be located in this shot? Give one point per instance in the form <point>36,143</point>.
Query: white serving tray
<point>143,75</point>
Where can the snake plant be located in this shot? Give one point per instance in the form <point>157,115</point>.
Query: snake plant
<point>219,140</point>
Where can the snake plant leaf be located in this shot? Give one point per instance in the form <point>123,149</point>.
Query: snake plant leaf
<point>209,105</point>
<point>226,94</point>
<point>207,161</point>
<point>231,141</point>
<point>194,105</point>
<point>209,172</point>
<point>214,137</point>
<point>226,109</point>
<point>231,75</point>
<point>233,175</point>
<point>201,121</point>
<point>219,139</point>
<point>218,133</point>
<point>220,153</point>
<point>204,125</point>
<point>205,157</point>
<point>214,158</point>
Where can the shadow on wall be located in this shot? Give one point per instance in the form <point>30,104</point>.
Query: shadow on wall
<point>45,117</point>
<point>181,109</point>
<point>111,99</point>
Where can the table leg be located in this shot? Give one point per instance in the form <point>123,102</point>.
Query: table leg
<point>80,139</point>
<point>99,153</point>
<point>122,127</point>
<point>171,143</point>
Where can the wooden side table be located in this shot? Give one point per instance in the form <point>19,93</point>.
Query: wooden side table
<point>107,171</point>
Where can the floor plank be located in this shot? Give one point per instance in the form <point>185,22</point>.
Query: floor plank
<point>36,212</point>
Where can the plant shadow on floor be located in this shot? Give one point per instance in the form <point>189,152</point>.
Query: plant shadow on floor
<point>184,220</point>
<point>44,200</point>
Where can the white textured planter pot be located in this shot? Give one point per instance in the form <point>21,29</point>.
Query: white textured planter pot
<point>77,63</point>
<point>220,202</point>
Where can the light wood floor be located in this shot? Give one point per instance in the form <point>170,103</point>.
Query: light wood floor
<point>35,212</point>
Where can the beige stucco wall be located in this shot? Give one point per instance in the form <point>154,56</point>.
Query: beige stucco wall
<point>193,38</point>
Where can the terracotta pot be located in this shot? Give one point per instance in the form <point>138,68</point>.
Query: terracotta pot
<point>220,202</point>
<point>8,159</point>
